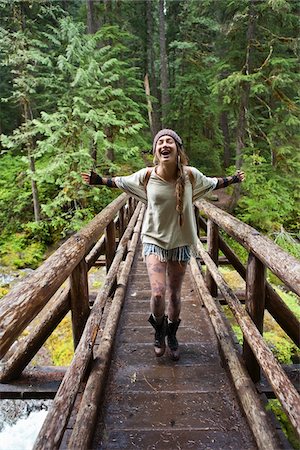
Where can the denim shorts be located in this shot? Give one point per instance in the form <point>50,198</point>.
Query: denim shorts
<point>182,254</point>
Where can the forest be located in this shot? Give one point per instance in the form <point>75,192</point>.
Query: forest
<point>87,84</point>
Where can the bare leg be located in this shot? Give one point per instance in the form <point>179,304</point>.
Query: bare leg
<point>176,272</point>
<point>157,276</point>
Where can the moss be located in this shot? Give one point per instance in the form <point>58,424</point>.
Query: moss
<point>282,347</point>
<point>275,406</point>
<point>232,278</point>
<point>3,291</point>
<point>18,252</point>
<point>60,343</point>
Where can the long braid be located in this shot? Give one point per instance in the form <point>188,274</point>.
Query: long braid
<point>180,184</point>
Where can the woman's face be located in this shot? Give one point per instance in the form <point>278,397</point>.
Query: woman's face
<point>166,150</point>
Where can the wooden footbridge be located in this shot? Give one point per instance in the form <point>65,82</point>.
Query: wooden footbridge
<point>115,394</point>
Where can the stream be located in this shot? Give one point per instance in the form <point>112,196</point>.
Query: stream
<point>20,420</point>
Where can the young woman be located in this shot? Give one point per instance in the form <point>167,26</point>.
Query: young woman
<point>169,228</point>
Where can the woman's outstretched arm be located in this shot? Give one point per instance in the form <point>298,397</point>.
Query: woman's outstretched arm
<point>239,177</point>
<point>93,179</point>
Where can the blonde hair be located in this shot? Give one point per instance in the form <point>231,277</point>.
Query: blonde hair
<point>182,161</point>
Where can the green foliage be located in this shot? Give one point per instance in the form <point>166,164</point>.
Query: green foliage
<point>98,109</point>
<point>271,196</point>
<point>283,348</point>
<point>275,406</point>
<point>19,251</point>
<point>60,343</point>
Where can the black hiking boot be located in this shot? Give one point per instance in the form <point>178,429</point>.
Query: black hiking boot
<point>173,349</point>
<point>160,335</point>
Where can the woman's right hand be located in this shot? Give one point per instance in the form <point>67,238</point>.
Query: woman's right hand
<point>86,177</point>
<point>91,178</point>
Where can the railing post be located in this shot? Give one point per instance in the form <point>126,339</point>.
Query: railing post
<point>79,300</point>
<point>110,243</point>
<point>213,251</point>
<point>255,306</point>
<point>121,222</point>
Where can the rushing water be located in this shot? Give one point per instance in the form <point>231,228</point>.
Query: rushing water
<point>20,422</point>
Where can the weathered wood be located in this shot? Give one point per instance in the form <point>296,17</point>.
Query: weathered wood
<point>79,300</point>
<point>274,303</point>
<point>213,251</point>
<point>95,252</point>
<point>27,299</point>
<point>293,373</point>
<point>121,222</point>
<point>282,314</point>
<point>255,413</point>
<point>51,433</point>
<point>255,306</point>
<point>86,418</point>
<point>110,243</point>
<point>284,266</point>
<point>35,382</point>
<point>48,320</point>
<point>283,388</point>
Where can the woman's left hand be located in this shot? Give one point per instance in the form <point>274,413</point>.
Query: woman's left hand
<point>241,175</point>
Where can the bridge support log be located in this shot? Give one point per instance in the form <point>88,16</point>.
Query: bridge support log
<point>255,306</point>
<point>262,429</point>
<point>213,251</point>
<point>96,251</point>
<point>79,300</point>
<point>283,388</point>
<point>49,319</point>
<point>110,244</point>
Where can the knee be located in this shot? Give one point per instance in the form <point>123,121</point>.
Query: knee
<point>158,298</point>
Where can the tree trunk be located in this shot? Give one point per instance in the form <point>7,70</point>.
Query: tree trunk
<point>35,194</point>
<point>155,119</point>
<point>92,25</point>
<point>164,76</point>
<point>226,138</point>
<point>110,153</point>
<point>244,103</point>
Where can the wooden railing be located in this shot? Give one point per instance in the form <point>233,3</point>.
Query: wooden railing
<point>60,284</point>
<point>263,253</point>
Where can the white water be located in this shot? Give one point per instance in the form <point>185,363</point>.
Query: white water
<point>20,422</point>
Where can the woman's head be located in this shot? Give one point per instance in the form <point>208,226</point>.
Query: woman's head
<point>167,145</point>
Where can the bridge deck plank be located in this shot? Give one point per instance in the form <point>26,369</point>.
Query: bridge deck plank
<point>161,404</point>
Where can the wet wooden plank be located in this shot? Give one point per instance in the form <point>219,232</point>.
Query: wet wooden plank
<point>156,403</point>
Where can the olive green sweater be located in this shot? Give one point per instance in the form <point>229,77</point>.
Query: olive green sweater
<point>161,223</point>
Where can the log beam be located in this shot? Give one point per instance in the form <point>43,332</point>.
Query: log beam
<point>213,251</point>
<point>79,300</point>
<point>255,306</point>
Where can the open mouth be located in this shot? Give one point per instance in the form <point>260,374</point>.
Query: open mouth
<point>165,152</point>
